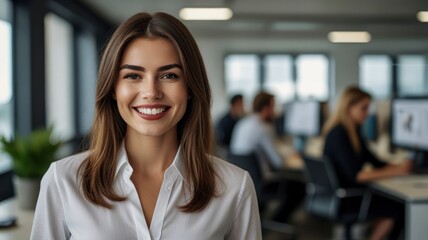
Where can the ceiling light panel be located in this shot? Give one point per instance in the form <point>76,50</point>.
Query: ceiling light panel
<point>349,37</point>
<point>422,16</point>
<point>206,13</point>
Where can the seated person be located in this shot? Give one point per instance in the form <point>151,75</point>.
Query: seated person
<point>348,153</point>
<point>257,131</point>
<point>225,125</point>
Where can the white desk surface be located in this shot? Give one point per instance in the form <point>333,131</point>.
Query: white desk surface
<point>413,188</point>
<point>24,221</point>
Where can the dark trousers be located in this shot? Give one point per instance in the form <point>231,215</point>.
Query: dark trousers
<point>381,207</point>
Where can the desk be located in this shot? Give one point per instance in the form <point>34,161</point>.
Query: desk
<point>413,192</point>
<point>24,221</point>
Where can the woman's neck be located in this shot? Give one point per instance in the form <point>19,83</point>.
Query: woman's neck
<point>150,155</point>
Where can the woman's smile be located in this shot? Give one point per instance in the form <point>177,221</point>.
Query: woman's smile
<point>151,113</point>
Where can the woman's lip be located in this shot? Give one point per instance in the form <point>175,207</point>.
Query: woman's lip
<point>151,106</point>
<point>155,116</point>
<point>151,109</point>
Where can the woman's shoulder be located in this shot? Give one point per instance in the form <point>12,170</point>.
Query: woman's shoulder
<point>231,175</point>
<point>226,168</point>
<point>73,161</point>
<point>68,166</point>
<point>337,131</point>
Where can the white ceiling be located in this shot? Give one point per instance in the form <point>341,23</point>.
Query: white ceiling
<point>387,19</point>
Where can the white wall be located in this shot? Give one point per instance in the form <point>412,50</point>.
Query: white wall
<point>344,57</point>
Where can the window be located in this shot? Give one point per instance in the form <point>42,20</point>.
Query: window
<point>312,77</point>
<point>6,110</point>
<point>376,75</point>
<point>59,76</point>
<point>412,75</point>
<point>242,74</point>
<point>6,91</point>
<point>286,76</point>
<point>279,77</point>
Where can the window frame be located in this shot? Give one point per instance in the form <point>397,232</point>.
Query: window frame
<point>293,55</point>
<point>394,93</point>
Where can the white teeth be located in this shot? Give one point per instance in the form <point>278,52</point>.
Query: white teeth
<point>151,111</point>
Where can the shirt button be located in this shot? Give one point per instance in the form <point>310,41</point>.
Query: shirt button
<point>169,187</point>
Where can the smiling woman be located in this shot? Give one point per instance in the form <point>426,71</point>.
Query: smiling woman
<point>151,86</point>
<point>149,172</point>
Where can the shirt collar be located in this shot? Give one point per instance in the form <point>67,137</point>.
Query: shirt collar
<point>122,159</point>
<point>177,164</point>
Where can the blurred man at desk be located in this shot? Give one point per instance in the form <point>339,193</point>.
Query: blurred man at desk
<point>224,127</point>
<point>256,131</point>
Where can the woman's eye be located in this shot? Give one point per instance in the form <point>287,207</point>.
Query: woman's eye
<point>169,76</point>
<point>132,76</point>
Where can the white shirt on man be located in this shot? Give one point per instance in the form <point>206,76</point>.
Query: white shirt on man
<point>251,133</point>
<point>63,212</point>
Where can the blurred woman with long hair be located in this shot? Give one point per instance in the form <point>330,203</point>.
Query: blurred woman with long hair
<point>348,152</point>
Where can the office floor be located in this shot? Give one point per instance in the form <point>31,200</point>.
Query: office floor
<point>310,228</point>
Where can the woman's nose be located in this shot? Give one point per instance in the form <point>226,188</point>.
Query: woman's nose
<point>150,89</point>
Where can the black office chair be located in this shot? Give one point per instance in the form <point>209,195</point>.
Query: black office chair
<point>6,192</point>
<point>325,196</point>
<point>252,164</point>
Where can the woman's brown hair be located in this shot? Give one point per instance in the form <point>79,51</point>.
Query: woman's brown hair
<point>194,129</point>
<point>350,96</point>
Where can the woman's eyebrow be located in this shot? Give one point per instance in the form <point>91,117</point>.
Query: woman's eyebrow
<point>132,67</point>
<point>142,69</point>
<point>170,66</point>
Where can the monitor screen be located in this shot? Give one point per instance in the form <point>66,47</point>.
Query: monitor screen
<point>303,118</point>
<point>369,128</point>
<point>410,123</point>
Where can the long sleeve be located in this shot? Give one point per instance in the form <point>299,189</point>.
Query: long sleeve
<point>49,223</point>
<point>367,154</point>
<point>269,149</point>
<point>246,224</point>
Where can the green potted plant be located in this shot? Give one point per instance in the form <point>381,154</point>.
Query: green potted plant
<point>31,157</point>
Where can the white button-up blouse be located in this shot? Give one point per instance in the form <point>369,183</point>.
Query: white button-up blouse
<point>63,212</point>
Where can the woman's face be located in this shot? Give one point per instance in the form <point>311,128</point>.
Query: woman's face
<point>359,111</point>
<point>150,91</point>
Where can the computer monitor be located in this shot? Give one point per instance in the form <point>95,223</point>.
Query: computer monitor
<point>410,123</point>
<point>409,128</point>
<point>6,192</point>
<point>303,118</point>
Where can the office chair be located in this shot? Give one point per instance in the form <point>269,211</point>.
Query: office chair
<point>6,192</point>
<point>252,164</point>
<point>325,196</point>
